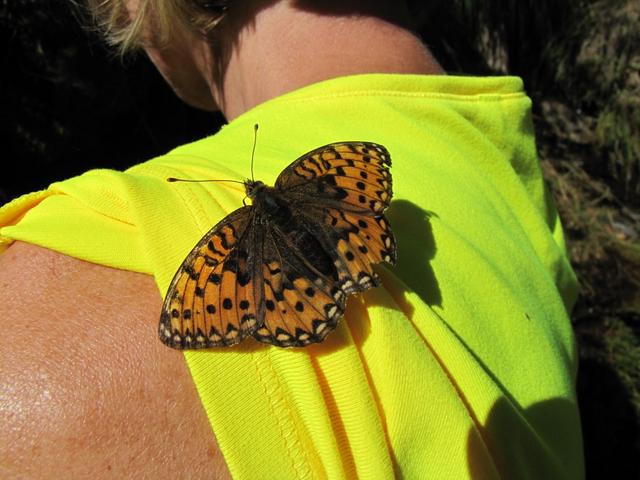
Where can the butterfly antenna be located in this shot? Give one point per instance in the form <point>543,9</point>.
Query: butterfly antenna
<point>173,179</point>
<point>253,151</point>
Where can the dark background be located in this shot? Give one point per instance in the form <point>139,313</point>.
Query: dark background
<point>67,104</point>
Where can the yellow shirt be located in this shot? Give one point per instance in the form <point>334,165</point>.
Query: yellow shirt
<point>461,365</point>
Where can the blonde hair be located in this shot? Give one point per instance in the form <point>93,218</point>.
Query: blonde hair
<point>124,30</point>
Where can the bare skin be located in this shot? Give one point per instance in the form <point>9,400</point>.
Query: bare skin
<point>270,48</point>
<point>86,388</point>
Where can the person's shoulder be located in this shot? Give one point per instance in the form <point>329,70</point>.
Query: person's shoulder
<point>87,386</point>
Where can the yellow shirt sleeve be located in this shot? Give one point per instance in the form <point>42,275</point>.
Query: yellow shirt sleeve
<point>462,365</point>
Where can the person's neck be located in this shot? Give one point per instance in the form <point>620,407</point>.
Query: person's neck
<point>284,48</point>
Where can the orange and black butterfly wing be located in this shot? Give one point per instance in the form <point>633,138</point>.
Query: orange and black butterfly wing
<point>302,300</point>
<point>349,175</point>
<point>212,299</point>
<point>343,189</point>
<point>356,241</point>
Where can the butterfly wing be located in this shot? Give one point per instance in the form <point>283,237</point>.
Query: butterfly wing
<point>356,242</point>
<point>349,175</point>
<point>212,300</point>
<point>302,300</point>
<point>343,190</point>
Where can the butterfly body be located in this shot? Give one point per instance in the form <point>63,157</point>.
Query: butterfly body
<point>281,269</point>
<point>268,203</point>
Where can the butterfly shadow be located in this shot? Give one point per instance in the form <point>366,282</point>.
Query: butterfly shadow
<point>416,248</point>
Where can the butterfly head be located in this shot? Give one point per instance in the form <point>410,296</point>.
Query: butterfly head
<point>252,187</point>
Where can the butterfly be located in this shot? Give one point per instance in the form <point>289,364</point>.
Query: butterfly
<point>281,269</point>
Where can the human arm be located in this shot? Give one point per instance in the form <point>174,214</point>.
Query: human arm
<point>86,388</point>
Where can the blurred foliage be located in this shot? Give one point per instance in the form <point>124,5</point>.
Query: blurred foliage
<point>69,105</point>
